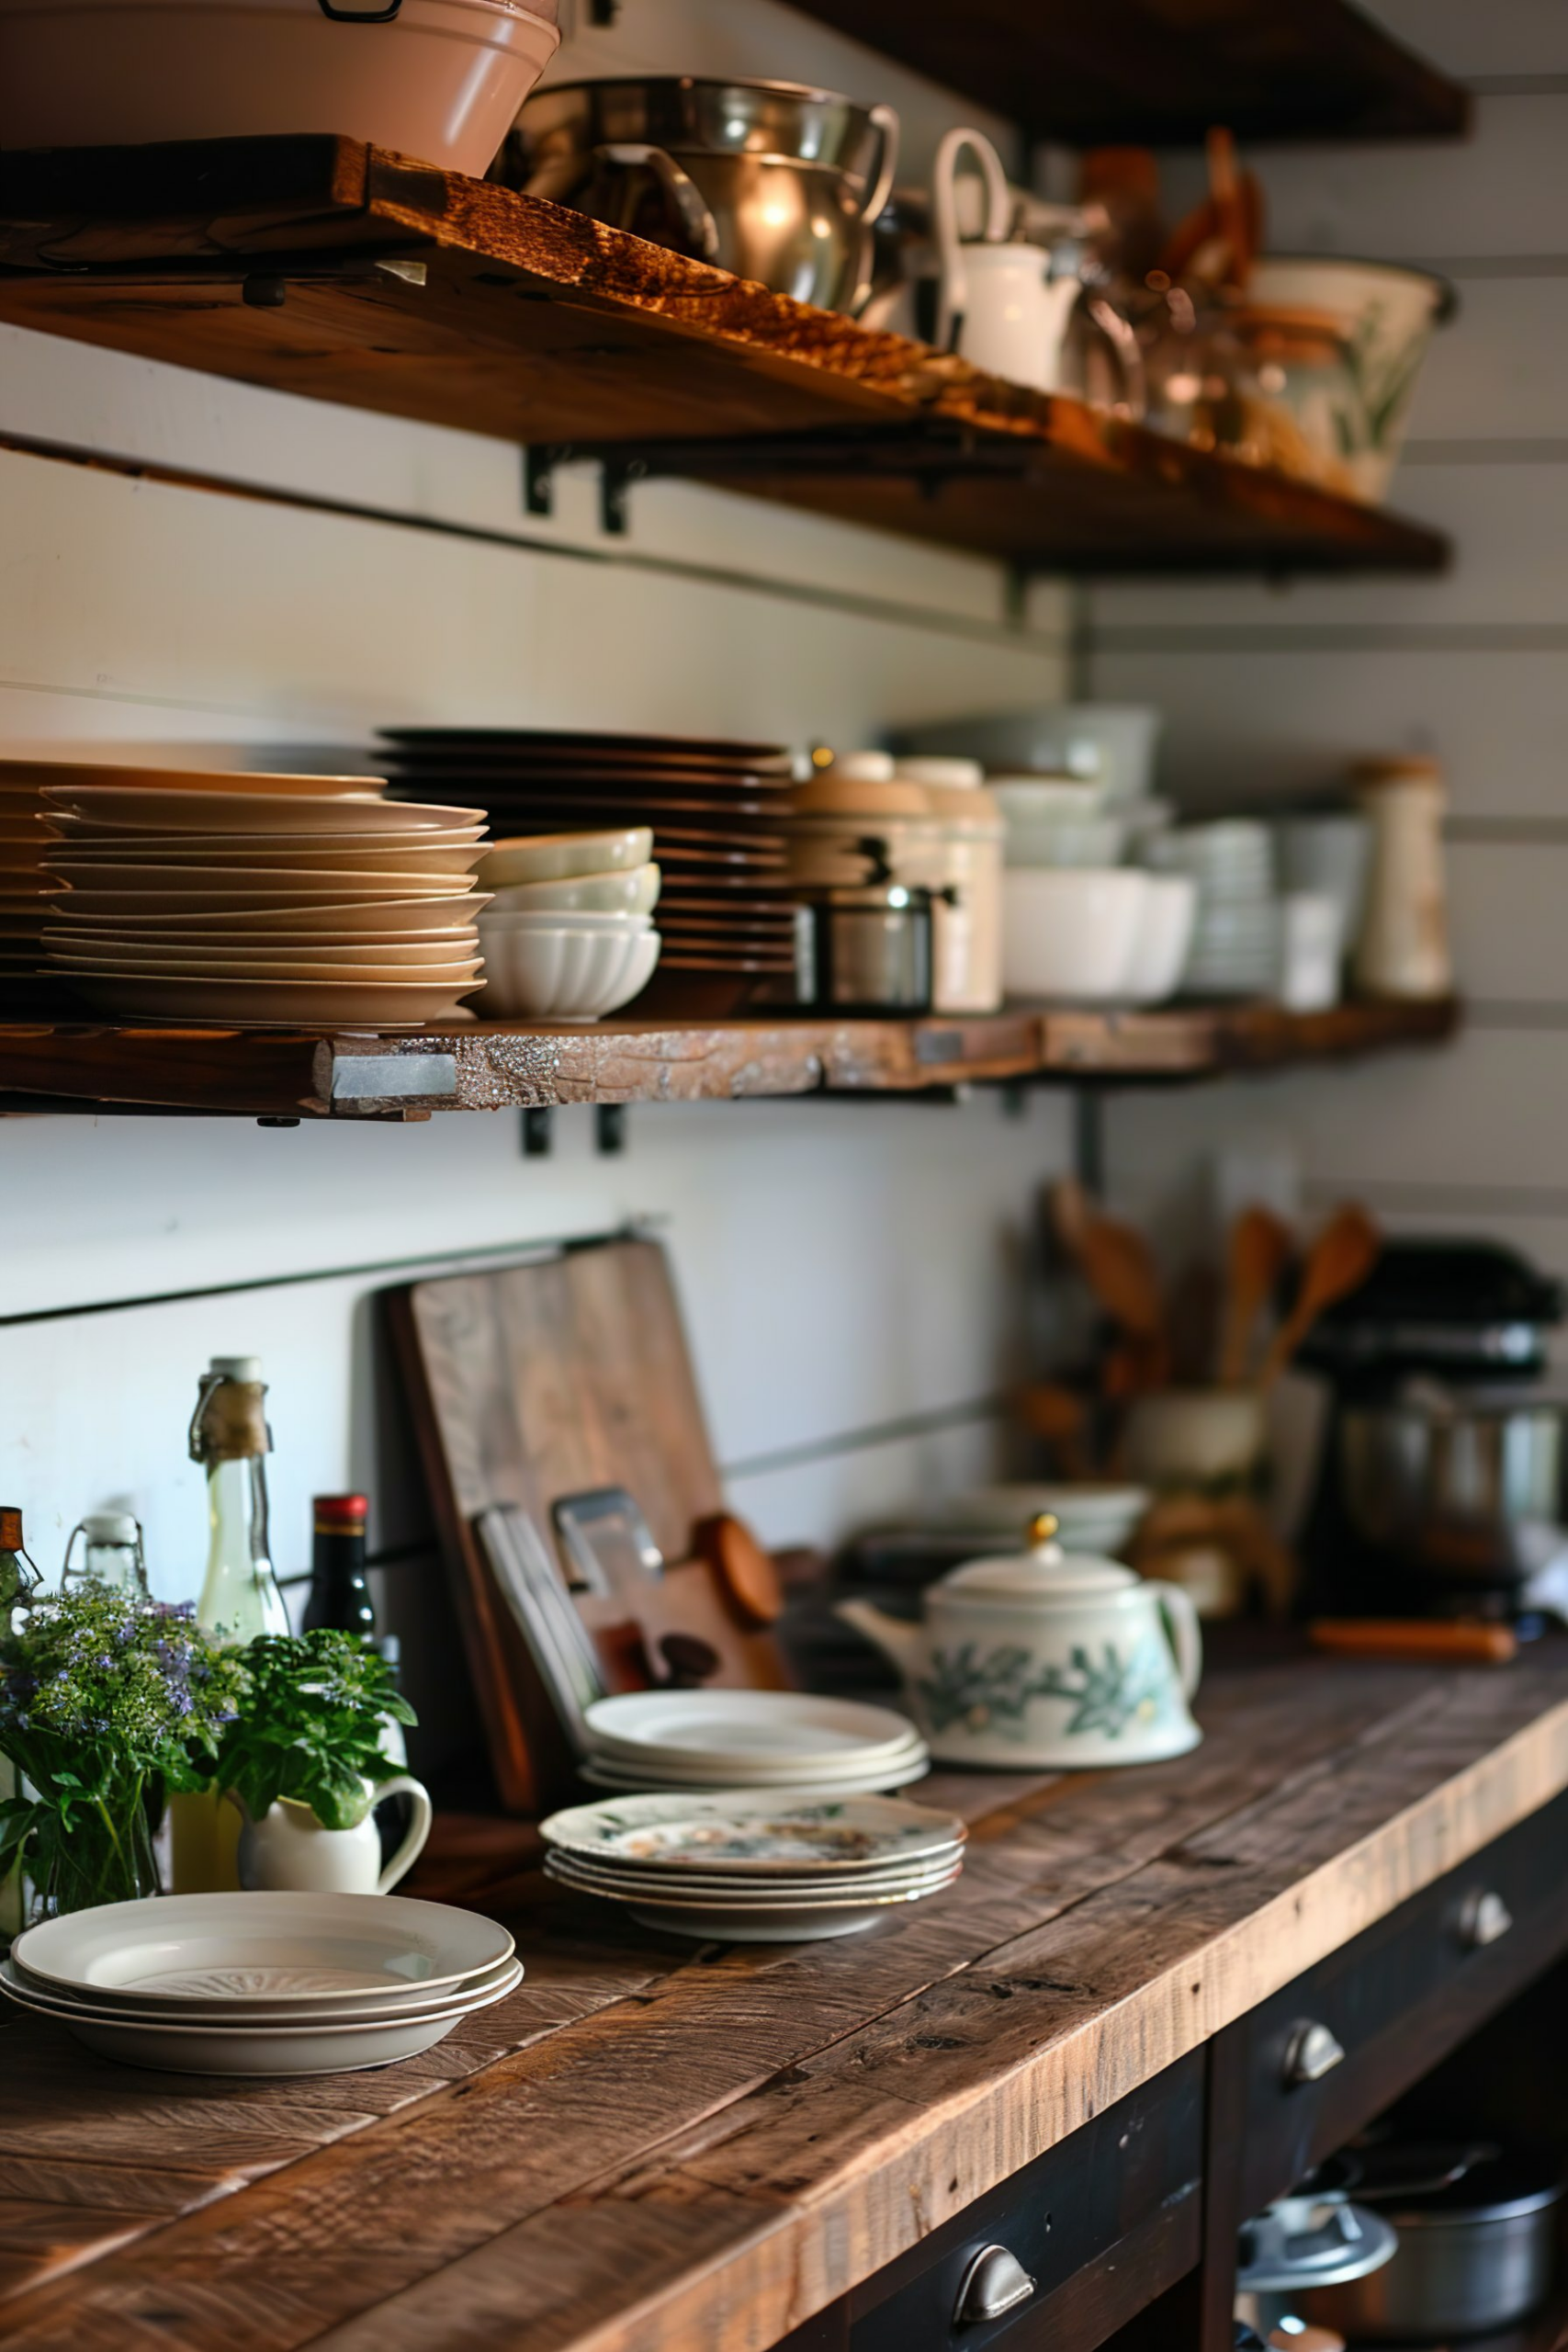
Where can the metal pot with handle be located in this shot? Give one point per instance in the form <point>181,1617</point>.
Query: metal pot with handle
<point>772,180</point>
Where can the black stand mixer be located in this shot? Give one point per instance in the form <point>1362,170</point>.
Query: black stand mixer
<point>1441,1486</point>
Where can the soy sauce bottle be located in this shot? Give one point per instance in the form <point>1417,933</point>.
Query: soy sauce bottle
<point>340,1595</point>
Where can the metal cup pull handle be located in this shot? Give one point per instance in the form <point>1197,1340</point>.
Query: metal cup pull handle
<point>995,2283</point>
<point>1312,2052</point>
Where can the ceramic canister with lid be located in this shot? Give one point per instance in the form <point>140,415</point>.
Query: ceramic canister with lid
<point>967,912</point>
<point>1404,947</point>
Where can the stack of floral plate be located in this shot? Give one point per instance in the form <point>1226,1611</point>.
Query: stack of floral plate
<point>756,1869</point>
<point>262,1983</point>
<point>749,1739</point>
<point>259,898</point>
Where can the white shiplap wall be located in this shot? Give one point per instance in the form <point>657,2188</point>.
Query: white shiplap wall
<point>1277,689</point>
<point>850,1272</point>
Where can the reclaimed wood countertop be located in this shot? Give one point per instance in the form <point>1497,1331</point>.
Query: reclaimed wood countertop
<point>663,2147</point>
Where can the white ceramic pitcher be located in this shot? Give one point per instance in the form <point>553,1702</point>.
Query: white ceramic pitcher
<point>1011,317</point>
<point>289,1851</point>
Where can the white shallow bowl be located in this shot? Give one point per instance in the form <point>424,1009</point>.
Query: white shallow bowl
<point>1070,840</point>
<point>441,82</point>
<point>1007,1508</point>
<point>562,857</point>
<point>144,811</point>
<point>1163,938</point>
<point>632,893</point>
<point>259,2050</point>
<point>564,975</point>
<point>609,926</point>
<point>105,917</point>
<point>1071,933</point>
<point>274,1004</point>
<point>263,1946</point>
<point>652,1781</point>
<point>1114,742</point>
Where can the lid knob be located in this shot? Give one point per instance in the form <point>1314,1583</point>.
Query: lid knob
<point>1043,1530</point>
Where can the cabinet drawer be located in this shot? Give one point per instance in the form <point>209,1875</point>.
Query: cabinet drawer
<point>1308,2068</point>
<point>1090,2232</point>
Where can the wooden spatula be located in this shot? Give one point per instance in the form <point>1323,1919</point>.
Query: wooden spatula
<point>1261,1246</point>
<point>1338,1263</point>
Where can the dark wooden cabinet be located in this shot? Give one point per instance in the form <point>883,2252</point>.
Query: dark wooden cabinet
<point>1127,2232</point>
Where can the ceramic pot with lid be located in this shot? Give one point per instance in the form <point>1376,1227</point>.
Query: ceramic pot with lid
<point>1045,1659</point>
<point>864,949</point>
<point>773,180</point>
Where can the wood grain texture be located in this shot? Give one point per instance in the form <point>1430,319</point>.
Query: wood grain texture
<point>533,323</point>
<point>511,1065</point>
<point>1162,71</point>
<point>712,2145</point>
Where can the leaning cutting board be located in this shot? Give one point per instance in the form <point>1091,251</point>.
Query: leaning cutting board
<point>541,1380</point>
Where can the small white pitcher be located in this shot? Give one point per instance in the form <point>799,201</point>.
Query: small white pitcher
<point>289,1851</point>
<point>1011,317</point>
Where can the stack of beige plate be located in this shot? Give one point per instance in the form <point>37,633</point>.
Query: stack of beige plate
<point>25,886</point>
<point>262,1983</point>
<point>756,1869</point>
<point>259,898</point>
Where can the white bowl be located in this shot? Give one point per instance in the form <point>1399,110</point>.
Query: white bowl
<point>634,893</point>
<point>1164,940</point>
<point>564,975</point>
<point>1114,742</point>
<point>1072,933</point>
<point>561,857</point>
<point>440,81</point>
<point>1070,840</point>
<point>546,919</point>
<point>1386,314</point>
<point>1045,799</point>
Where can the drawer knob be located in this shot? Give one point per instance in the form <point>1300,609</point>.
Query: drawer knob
<point>995,2283</point>
<point>1312,2052</point>
<point>1486,1920</point>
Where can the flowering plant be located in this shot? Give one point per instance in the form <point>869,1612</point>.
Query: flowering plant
<point>99,1696</point>
<point>309,1726</point>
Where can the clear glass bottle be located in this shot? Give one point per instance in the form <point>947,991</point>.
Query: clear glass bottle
<point>240,1598</point>
<point>112,1554</point>
<point>228,1435</point>
<point>19,1582</point>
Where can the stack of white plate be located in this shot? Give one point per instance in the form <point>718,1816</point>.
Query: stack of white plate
<point>749,1739</point>
<point>259,898</point>
<point>262,1983</point>
<point>756,1869</point>
<point>1236,945</point>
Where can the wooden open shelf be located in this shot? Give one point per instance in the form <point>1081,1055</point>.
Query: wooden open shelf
<point>322,267</point>
<point>1159,72</point>
<point>50,1065</point>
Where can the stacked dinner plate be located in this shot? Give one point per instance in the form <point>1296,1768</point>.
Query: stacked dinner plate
<point>749,1739</point>
<point>716,810</point>
<point>262,1983</point>
<point>786,1869</point>
<point>259,898</point>
<point>1235,943</point>
<point>25,886</point>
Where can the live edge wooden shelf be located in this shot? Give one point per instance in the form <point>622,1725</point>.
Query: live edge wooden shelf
<point>273,1074</point>
<point>332,270</point>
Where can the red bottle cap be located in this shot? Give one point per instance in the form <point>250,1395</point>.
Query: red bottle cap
<point>10,1529</point>
<point>341,1514</point>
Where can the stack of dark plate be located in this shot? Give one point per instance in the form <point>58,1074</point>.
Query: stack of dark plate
<point>716,810</point>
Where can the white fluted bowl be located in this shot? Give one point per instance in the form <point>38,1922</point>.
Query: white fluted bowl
<point>567,974</point>
<point>1071,931</point>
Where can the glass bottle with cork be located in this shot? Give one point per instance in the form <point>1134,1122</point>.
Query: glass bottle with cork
<point>240,1598</point>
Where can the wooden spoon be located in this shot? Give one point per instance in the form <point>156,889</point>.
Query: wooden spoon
<point>1338,1263</point>
<point>1119,1269</point>
<point>1261,1248</point>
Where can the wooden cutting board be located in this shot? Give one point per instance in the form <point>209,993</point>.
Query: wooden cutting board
<point>541,1380</point>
